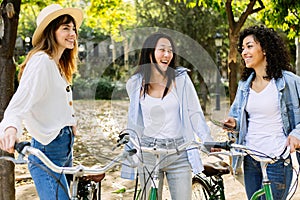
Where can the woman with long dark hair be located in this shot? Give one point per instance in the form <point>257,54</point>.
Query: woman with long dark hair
<point>165,111</point>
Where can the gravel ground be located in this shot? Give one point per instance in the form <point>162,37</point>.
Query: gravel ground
<point>99,122</point>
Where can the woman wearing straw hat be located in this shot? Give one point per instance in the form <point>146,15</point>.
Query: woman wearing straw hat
<point>43,100</point>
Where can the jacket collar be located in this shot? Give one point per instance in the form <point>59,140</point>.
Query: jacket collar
<point>180,71</point>
<point>280,82</point>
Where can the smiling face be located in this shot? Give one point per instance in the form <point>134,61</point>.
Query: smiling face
<point>66,36</point>
<point>163,53</point>
<point>253,54</point>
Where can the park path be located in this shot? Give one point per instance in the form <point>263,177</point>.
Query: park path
<point>98,125</point>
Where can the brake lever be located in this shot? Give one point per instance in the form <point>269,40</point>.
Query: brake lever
<point>123,139</point>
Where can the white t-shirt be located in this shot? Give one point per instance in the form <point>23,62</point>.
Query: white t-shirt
<point>265,133</point>
<point>43,101</point>
<point>161,116</point>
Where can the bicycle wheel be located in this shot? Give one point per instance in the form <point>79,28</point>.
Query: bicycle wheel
<point>200,188</point>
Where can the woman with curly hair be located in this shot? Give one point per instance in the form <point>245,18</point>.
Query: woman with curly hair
<point>266,108</point>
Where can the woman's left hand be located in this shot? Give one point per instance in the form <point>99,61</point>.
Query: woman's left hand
<point>293,142</point>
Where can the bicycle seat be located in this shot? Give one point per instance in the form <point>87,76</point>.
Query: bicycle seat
<point>96,178</point>
<point>216,168</point>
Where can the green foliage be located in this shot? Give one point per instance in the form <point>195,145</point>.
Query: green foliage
<point>109,17</point>
<point>20,59</point>
<point>198,22</point>
<point>84,88</point>
<point>97,88</point>
<point>104,89</point>
<point>283,14</point>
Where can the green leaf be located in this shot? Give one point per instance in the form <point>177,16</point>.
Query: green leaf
<point>119,191</point>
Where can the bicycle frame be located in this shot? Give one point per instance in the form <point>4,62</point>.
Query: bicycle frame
<point>155,180</point>
<point>266,189</point>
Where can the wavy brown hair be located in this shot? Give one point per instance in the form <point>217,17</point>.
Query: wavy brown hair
<point>272,44</point>
<point>48,44</point>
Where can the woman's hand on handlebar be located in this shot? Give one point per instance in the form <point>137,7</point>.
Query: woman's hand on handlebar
<point>7,142</point>
<point>293,142</point>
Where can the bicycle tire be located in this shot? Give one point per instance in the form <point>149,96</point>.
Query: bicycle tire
<point>200,189</point>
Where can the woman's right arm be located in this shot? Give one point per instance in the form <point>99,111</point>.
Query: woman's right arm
<point>31,89</point>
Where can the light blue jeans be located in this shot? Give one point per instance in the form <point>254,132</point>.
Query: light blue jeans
<point>50,185</point>
<point>176,168</point>
<point>280,174</point>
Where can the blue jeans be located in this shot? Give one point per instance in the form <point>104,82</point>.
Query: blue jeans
<point>50,185</point>
<point>280,174</point>
<point>176,168</point>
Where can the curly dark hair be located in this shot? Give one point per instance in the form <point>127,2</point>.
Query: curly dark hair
<point>272,44</point>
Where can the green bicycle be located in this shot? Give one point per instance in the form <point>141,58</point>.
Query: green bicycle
<point>152,194</point>
<point>210,186</point>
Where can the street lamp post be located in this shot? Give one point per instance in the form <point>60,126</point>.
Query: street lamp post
<point>27,44</point>
<point>82,52</point>
<point>218,42</point>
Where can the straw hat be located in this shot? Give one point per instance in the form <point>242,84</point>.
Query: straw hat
<point>50,13</point>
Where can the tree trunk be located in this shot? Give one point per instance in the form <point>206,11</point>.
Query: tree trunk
<point>126,47</point>
<point>297,64</point>
<point>234,29</point>
<point>233,67</point>
<point>10,10</point>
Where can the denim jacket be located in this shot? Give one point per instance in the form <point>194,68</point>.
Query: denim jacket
<point>191,115</point>
<point>288,94</point>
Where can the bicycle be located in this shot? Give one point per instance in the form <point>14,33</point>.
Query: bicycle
<point>86,180</point>
<point>210,186</point>
<point>82,188</point>
<point>152,195</point>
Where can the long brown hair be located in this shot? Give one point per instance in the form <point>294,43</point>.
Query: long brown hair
<point>144,64</point>
<point>48,44</point>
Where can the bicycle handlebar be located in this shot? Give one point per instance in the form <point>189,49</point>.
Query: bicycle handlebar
<point>233,150</point>
<point>24,148</point>
<point>155,150</point>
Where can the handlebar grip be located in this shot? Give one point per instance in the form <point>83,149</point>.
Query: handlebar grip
<point>20,146</point>
<point>223,145</point>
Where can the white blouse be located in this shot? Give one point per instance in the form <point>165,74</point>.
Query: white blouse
<point>42,102</point>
